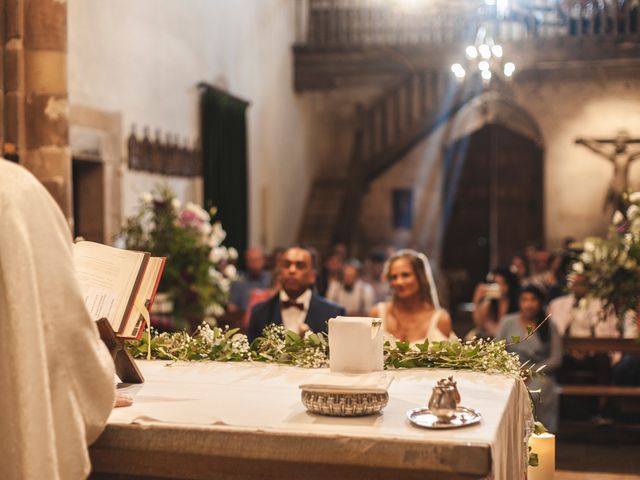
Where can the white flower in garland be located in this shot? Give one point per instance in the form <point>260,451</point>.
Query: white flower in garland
<point>633,212</point>
<point>618,217</point>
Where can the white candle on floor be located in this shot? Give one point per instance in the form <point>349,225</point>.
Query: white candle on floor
<point>545,446</point>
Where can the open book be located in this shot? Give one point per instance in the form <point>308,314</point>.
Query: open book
<point>118,284</point>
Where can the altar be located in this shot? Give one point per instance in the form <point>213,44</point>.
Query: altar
<point>246,420</point>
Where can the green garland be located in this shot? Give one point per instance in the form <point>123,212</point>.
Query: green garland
<point>312,350</point>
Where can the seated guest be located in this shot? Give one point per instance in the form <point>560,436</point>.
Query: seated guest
<point>492,301</point>
<point>258,296</point>
<point>56,375</point>
<point>413,314</point>
<point>331,270</point>
<point>575,315</point>
<point>355,295</point>
<point>544,347</point>
<point>254,278</point>
<point>294,306</point>
<point>520,268</point>
<point>374,268</point>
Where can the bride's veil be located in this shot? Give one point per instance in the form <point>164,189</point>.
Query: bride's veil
<point>427,270</point>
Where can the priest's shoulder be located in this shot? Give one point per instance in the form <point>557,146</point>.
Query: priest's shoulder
<point>15,180</point>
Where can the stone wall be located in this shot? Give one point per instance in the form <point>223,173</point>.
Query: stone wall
<point>35,91</point>
<point>143,60</point>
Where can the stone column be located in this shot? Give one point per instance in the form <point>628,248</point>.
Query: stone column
<point>36,112</point>
<point>13,75</point>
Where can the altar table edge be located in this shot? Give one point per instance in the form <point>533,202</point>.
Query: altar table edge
<point>197,452</point>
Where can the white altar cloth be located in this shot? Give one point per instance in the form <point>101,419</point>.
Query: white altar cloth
<point>266,398</point>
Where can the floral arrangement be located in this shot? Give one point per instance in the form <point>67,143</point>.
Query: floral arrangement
<point>611,265</point>
<point>312,350</point>
<point>197,272</point>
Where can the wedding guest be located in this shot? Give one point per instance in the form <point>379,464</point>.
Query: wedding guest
<point>552,279</point>
<point>374,269</point>
<point>492,301</point>
<point>414,313</point>
<point>544,347</point>
<point>255,277</point>
<point>56,375</point>
<point>354,294</point>
<point>331,271</point>
<point>520,268</point>
<point>295,305</point>
<point>575,315</point>
<point>257,296</point>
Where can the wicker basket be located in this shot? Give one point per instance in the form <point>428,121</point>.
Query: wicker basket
<point>344,404</point>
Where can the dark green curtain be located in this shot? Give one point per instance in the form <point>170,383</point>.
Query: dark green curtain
<point>224,162</point>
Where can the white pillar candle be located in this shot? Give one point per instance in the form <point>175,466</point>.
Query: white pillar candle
<point>544,445</point>
<point>355,344</point>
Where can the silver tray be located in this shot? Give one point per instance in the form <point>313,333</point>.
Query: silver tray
<point>422,417</point>
<point>344,404</point>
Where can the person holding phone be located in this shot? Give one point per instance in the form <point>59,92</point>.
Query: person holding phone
<point>492,301</point>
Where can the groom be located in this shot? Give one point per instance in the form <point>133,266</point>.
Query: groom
<point>295,306</point>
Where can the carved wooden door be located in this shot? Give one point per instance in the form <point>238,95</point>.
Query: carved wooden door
<point>493,204</point>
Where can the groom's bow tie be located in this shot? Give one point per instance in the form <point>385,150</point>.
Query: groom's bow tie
<point>292,303</point>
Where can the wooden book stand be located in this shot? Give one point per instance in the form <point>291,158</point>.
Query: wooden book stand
<point>126,367</point>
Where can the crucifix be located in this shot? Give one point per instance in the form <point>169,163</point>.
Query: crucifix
<point>615,150</point>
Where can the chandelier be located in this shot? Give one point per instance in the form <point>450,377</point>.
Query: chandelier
<point>485,57</point>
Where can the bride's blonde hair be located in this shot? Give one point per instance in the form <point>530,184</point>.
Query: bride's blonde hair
<point>421,269</point>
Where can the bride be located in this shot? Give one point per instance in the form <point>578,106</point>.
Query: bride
<point>414,312</point>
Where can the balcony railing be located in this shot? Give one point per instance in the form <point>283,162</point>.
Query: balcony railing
<point>357,23</point>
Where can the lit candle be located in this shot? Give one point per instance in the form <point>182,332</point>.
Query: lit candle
<point>545,446</point>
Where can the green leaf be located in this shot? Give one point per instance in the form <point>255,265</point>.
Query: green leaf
<point>515,338</point>
<point>538,428</point>
<point>292,337</point>
<point>533,459</point>
<point>529,329</point>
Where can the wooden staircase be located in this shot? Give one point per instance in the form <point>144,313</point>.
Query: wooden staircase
<point>385,131</point>
<point>322,210</point>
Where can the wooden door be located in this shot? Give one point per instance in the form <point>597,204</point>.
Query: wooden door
<point>493,204</point>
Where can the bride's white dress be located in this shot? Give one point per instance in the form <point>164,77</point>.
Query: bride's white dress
<point>433,332</point>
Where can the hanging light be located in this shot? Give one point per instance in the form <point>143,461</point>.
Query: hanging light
<point>483,66</point>
<point>497,51</point>
<point>458,70</point>
<point>485,51</point>
<point>472,52</point>
<point>486,75</point>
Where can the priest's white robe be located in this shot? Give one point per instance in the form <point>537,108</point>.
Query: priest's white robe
<point>56,376</point>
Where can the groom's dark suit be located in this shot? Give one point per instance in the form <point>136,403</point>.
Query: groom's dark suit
<point>265,313</point>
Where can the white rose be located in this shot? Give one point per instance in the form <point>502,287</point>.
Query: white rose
<point>146,198</point>
<point>589,246</point>
<point>578,267</point>
<point>618,217</point>
<point>217,254</point>
<point>634,197</point>
<point>230,271</point>
<point>176,203</point>
<point>233,253</point>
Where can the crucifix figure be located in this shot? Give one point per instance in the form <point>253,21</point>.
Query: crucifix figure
<point>615,150</point>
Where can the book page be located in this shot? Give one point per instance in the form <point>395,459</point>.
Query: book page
<point>107,278</point>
